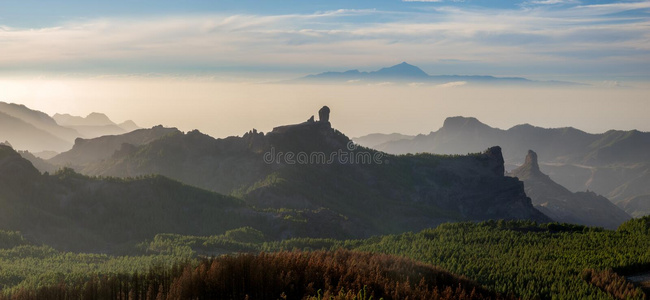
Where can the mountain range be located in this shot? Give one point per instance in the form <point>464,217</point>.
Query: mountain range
<point>300,180</point>
<point>359,193</point>
<point>407,73</point>
<point>615,164</point>
<point>35,131</point>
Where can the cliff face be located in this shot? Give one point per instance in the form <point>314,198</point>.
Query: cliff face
<point>474,186</point>
<point>586,208</point>
<point>313,167</point>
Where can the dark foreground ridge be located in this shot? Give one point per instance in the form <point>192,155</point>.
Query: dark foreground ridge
<point>73,212</point>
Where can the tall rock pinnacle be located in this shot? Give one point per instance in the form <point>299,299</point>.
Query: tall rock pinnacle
<point>324,114</point>
<point>531,160</point>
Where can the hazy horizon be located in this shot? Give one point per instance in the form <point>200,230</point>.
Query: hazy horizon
<point>221,109</point>
<point>208,65</point>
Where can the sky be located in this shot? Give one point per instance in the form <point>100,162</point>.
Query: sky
<point>549,39</point>
<point>211,65</point>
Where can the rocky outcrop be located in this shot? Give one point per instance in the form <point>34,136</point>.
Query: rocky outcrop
<point>496,160</point>
<point>531,162</point>
<point>305,133</point>
<point>324,114</point>
<point>557,202</point>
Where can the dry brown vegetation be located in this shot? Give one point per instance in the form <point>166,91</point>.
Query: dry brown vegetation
<point>341,274</point>
<point>615,285</point>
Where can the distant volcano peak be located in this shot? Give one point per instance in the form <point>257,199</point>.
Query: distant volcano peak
<point>408,73</point>
<point>404,69</point>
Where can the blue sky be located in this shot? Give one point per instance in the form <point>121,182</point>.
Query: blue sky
<point>551,39</point>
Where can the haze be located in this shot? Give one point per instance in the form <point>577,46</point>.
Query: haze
<point>225,108</point>
<point>183,65</point>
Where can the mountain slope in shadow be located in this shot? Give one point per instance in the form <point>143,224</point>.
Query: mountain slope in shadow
<point>70,211</point>
<point>555,201</point>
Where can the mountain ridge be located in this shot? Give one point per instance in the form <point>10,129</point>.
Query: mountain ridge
<point>35,131</point>
<point>93,119</point>
<point>374,195</point>
<point>103,147</point>
<point>94,125</point>
<point>24,135</point>
<point>40,121</point>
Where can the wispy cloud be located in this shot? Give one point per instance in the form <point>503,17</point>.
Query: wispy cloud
<point>611,8</point>
<point>552,2</point>
<point>582,38</point>
<point>452,84</point>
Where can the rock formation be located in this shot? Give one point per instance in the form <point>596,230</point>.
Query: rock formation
<point>557,202</point>
<point>310,124</point>
<point>324,114</point>
<point>496,159</point>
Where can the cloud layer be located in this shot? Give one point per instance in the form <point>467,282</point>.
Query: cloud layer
<point>536,38</point>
